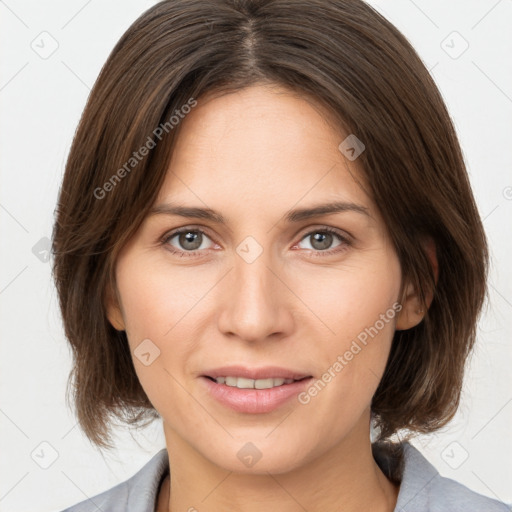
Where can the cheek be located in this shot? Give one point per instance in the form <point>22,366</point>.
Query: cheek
<point>157,299</point>
<point>357,305</point>
<point>169,306</point>
<point>351,297</point>
<point>161,319</point>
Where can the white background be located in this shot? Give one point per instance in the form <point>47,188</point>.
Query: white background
<point>41,101</point>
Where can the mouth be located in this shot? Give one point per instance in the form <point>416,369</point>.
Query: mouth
<point>245,383</point>
<point>253,391</point>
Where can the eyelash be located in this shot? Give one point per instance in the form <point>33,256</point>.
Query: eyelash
<point>316,253</point>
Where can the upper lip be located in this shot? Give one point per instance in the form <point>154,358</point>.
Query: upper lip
<point>265,372</point>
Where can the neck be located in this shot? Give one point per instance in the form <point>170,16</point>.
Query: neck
<point>344,478</point>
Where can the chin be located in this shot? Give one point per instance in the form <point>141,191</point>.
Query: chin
<point>257,457</point>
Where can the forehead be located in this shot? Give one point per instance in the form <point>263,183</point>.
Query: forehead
<point>262,144</point>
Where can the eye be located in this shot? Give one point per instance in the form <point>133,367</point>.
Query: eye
<point>187,241</point>
<point>321,241</point>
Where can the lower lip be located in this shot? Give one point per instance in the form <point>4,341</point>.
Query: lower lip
<point>254,400</point>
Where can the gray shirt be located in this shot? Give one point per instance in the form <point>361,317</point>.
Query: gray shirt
<point>422,488</point>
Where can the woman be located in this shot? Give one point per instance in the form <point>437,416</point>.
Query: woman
<point>266,237</point>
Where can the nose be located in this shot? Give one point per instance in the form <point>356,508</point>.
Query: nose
<point>255,301</point>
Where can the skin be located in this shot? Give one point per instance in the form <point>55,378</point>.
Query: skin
<point>253,156</point>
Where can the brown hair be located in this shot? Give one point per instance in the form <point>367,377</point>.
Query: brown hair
<point>350,59</point>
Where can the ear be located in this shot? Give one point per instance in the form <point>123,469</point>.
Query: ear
<point>113,309</point>
<point>412,311</point>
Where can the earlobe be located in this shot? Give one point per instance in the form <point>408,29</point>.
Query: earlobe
<point>413,311</point>
<point>113,311</point>
<point>116,319</point>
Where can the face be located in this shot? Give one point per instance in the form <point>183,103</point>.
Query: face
<point>271,290</point>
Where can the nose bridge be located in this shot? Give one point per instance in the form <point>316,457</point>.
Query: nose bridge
<point>253,277</point>
<point>254,304</point>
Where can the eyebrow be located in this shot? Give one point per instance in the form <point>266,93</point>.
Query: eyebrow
<point>292,216</point>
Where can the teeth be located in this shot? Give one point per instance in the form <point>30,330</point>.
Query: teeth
<point>243,383</point>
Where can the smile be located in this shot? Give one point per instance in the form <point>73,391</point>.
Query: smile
<point>254,396</point>
<point>245,383</point>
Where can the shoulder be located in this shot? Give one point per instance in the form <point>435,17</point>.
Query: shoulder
<point>137,494</point>
<point>423,489</point>
<point>449,495</point>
